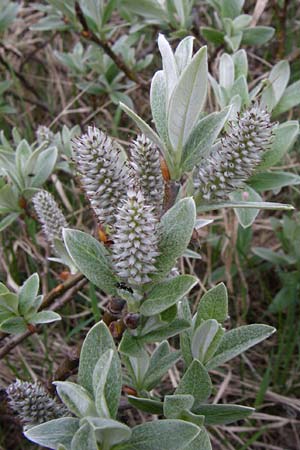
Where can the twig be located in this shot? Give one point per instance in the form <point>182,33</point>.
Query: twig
<point>69,287</point>
<point>88,34</point>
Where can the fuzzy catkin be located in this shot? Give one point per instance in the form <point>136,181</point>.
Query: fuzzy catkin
<point>104,176</point>
<point>32,403</point>
<point>237,156</point>
<point>135,240</point>
<point>146,164</point>
<point>44,134</point>
<point>49,214</point>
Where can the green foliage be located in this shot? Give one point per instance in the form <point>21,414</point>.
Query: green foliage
<point>20,310</point>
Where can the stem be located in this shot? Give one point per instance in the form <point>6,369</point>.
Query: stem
<point>91,36</point>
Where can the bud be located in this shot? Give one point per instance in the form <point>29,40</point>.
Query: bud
<point>104,176</point>
<point>236,158</point>
<point>33,404</point>
<point>146,164</point>
<point>135,240</point>
<point>50,216</point>
<point>131,320</point>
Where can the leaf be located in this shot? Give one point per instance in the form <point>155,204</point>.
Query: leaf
<point>23,153</point>
<point>166,331</point>
<point>7,220</point>
<point>84,439</point>
<point>107,384</point>
<point>202,137</point>
<point>169,65</point>
<point>195,382</point>
<point>184,53</point>
<point>187,100</point>
<point>231,204</point>
<point>162,434</point>
<point>278,81</point>
<point>240,61</point>
<point>274,257</point>
<point>96,343</point>
<point>257,35</point>
<point>159,365</point>
<point>212,35</point>
<point>201,442</point>
<point>76,398</point>
<point>223,414</point>
<point>15,325</point>
<point>175,404</point>
<point>146,404</point>
<point>158,104</point>
<point>8,300</point>
<point>44,166</point>
<point>240,87</point>
<point>177,226</point>
<point>226,71</point>
<point>246,217</point>
<point>285,136</point>
<point>8,200</point>
<point>108,431</point>
<point>184,312</point>
<point>44,317</point>
<point>265,181</point>
<point>206,339</point>
<point>166,294</point>
<point>213,305</point>
<point>289,99</point>
<point>241,22</point>
<point>51,434</point>
<point>91,258</point>
<point>237,341</point>
<point>28,293</point>
<point>132,345</point>
<point>231,8</point>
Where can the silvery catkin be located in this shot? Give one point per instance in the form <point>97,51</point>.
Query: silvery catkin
<point>135,240</point>
<point>104,176</point>
<point>237,156</point>
<point>146,164</point>
<point>50,216</point>
<point>32,403</point>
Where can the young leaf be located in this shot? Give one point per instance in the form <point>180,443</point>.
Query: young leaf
<point>285,136</point>
<point>195,382</point>
<point>278,79</point>
<point>213,305</point>
<point>108,431</point>
<point>166,331</point>
<point>52,434</point>
<point>76,398</point>
<point>84,439</point>
<point>107,384</point>
<point>203,338</point>
<point>187,100</point>
<point>177,225</point>
<point>175,404</point>
<point>97,341</point>
<point>28,293</point>
<point>162,434</point>
<point>237,341</point>
<point>184,52</point>
<point>201,442</point>
<point>202,137</point>
<point>169,64</point>
<point>158,368</point>
<point>158,103</point>
<point>91,258</point>
<point>44,166</point>
<point>166,294</point>
<point>226,71</point>
<point>289,99</point>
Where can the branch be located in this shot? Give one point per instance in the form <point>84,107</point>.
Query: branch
<point>91,36</point>
<point>72,285</point>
